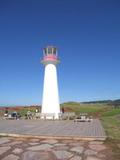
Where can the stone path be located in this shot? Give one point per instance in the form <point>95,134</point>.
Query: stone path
<point>52,149</point>
<point>49,128</point>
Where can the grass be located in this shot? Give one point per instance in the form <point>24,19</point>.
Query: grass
<point>112,126</point>
<point>112,112</point>
<point>83,108</point>
<point>24,111</point>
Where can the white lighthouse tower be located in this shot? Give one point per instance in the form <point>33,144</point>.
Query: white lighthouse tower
<point>50,101</point>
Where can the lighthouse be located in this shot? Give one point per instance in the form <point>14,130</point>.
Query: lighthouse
<point>50,99</point>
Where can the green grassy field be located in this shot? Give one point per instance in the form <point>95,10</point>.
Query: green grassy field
<point>111,112</point>
<point>92,109</point>
<point>112,126</point>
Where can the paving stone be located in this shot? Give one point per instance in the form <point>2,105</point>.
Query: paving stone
<point>50,141</point>
<point>77,149</point>
<point>89,152</point>
<point>118,145</point>
<point>4,149</point>
<point>76,158</point>
<point>59,144</point>
<point>17,150</point>
<point>14,143</point>
<point>40,147</point>
<point>61,148</point>
<point>96,142</point>
<point>11,157</point>
<point>25,145</point>
<point>63,154</point>
<point>77,144</point>
<point>30,155</point>
<point>33,143</point>
<point>97,147</point>
<point>92,158</point>
<point>4,140</point>
<point>100,155</point>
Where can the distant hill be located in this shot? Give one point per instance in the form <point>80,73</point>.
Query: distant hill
<point>19,107</point>
<point>100,101</point>
<point>108,102</point>
<point>70,103</point>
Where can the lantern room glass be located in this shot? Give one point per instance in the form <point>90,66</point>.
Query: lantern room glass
<point>50,51</point>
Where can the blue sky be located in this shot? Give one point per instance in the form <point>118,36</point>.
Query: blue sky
<point>87,35</point>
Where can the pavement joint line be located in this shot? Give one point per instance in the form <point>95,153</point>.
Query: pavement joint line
<point>53,137</point>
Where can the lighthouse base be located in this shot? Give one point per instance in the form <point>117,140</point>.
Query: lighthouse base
<point>49,116</point>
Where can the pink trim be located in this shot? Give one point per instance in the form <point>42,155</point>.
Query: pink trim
<point>50,57</point>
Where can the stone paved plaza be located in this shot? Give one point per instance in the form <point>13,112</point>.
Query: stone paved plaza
<point>52,149</point>
<point>52,140</point>
<point>49,128</point>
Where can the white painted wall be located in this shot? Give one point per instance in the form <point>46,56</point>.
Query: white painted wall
<point>50,101</point>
